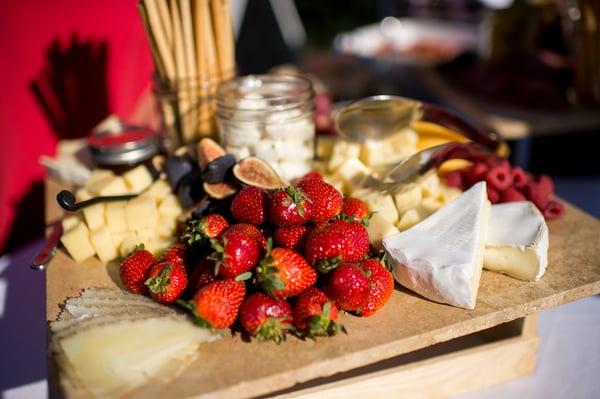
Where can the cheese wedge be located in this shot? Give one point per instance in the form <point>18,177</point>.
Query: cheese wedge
<point>441,257</point>
<point>517,241</point>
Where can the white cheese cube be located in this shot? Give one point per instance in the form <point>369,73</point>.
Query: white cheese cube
<point>448,194</point>
<point>342,150</point>
<point>167,226</point>
<point>431,204</point>
<point>141,213</point>
<point>70,221</point>
<point>324,147</point>
<point>119,237</point>
<point>82,195</point>
<point>138,179</point>
<point>158,245</point>
<point>96,176</point>
<point>409,219</point>
<point>378,202</point>
<point>170,206</point>
<point>352,172</point>
<point>391,150</point>
<point>129,244</point>
<point>146,234</point>
<point>430,185</point>
<point>159,190</point>
<point>111,185</point>
<point>336,182</point>
<point>94,215</point>
<point>77,242</point>
<point>407,198</point>
<point>115,216</point>
<point>103,244</point>
<point>379,228</point>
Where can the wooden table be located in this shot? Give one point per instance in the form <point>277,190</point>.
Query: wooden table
<point>412,347</point>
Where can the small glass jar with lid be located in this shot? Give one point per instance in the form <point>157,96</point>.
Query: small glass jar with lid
<point>271,117</point>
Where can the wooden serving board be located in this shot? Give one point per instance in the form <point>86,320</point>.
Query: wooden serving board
<point>232,367</point>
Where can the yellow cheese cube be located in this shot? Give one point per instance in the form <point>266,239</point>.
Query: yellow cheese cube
<point>94,215</point>
<point>430,185</point>
<point>391,150</point>
<point>111,185</point>
<point>96,176</point>
<point>141,213</point>
<point>167,226</point>
<point>407,198</point>
<point>82,195</point>
<point>77,242</point>
<point>159,190</point>
<point>115,216</point>
<point>379,228</point>
<point>103,243</point>
<point>138,179</point>
<point>448,194</point>
<point>342,150</point>
<point>324,146</point>
<point>170,206</point>
<point>146,234</point>
<point>158,245</point>
<point>119,237</point>
<point>352,172</point>
<point>409,219</point>
<point>335,182</point>
<point>129,244</point>
<point>431,204</point>
<point>70,221</point>
<point>377,202</point>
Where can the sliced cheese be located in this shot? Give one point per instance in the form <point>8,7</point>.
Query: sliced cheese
<point>517,241</point>
<point>441,257</point>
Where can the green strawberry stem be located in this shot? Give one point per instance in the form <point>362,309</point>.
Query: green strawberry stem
<point>161,281</point>
<point>267,277</point>
<point>327,265</point>
<point>296,197</point>
<point>273,329</point>
<point>199,321</point>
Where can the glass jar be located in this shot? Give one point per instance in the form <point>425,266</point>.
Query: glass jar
<point>271,117</point>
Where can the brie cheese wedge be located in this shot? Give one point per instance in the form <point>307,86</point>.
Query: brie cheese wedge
<point>441,258</point>
<point>517,241</point>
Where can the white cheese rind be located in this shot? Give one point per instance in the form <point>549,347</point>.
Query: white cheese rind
<point>517,243</point>
<point>441,258</point>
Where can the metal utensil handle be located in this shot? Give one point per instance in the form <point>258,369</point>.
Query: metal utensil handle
<point>48,249</point>
<point>66,200</point>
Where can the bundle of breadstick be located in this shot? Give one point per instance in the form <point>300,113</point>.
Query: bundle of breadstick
<point>193,49</point>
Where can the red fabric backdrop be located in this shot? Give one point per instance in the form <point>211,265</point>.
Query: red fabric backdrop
<point>64,65</point>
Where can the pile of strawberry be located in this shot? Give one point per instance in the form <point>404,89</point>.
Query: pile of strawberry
<point>281,262</point>
<point>509,184</point>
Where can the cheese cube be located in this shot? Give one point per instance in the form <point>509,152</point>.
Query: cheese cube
<point>94,215</point>
<point>170,206</point>
<point>352,172</point>
<point>141,213</point>
<point>391,150</point>
<point>129,244</point>
<point>407,198</point>
<point>159,190</point>
<point>167,226</point>
<point>158,245</point>
<point>145,234</point>
<point>70,221</point>
<point>96,176</point>
<point>138,179</point>
<point>103,243</point>
<point>430,185</point>
<point>77,242</point>
<point>448,194</point>
<point>324,146</point>
<point>119,237</point>
<point>111,185</point>
<point>82,195</point>
<point>409,219</point>
<point>335,182</point>
<point>342,150</point>
<point>431,204</point>
<point>378,202</point>
<point>115,216</point>
<point>379,228</point>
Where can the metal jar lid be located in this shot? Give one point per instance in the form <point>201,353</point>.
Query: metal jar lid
<point>126,145</point>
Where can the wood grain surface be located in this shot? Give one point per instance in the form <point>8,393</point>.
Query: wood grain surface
<point>232,367</point>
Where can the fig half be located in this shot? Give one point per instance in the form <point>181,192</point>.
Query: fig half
<point>216,171</point>
<point>253,171</point>
<point>220,190</point>
<point>208,151</point>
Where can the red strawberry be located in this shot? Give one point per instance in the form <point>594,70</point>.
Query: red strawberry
<point>520,178</point>
<point>475,173</point>
<point>313,174</point>
<point>455,179</point>
<point>251,231</point>
<point>348,286</point>
<point>291,237</point>
<point>235,253</point>
<point>511,194</point>
<point>265,317</point>
<point>210,226</point>
<point>355,210</point>
<point>325,200</point>
<point>166,281</point>
<point>338,241</point>
<point>175,253</point>
<point>133,270</point>
<point>203,274</point>
<point>217,304</point>
<point>288,207</point>
<point>250,205</point>
<point>499,178</point>
<point>553,210</point>
<point>493,194</point>
<point>284,272</point>
<point>381,287</point>
<point>315,314</point>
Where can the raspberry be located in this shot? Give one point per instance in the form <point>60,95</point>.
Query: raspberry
<point>539,191</point>
<point>499,178</point>
<point>511,194</point>
<point>520,178</point>
<point>553,210</point>
<point>475,173</point>
<point>455,179</point>
<point>493,195</point>
<point>546,184</point>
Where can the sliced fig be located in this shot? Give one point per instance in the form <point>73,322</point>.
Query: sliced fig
<point>216,171</point>
<point>190,190</point>
<point>208,150</point>
<point>254,171</point>
<point>220,190</point>
<point>176,168</point>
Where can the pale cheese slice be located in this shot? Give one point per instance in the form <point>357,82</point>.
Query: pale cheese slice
<point>517,241</point>
<point>441,257</point>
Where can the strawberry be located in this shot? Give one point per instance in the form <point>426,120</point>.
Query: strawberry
<point>235,253</point>
<point>203,274</point>
<point>291,237</point>
<point>325,200</point>
<point>553,210</point>
<point>499,178</point>
<point>284,272</point>
<point>288,207</point>
<point>348,286</point>
<point>250,205</point>
<point>313,174</point>
<point>209,227</point>
<point>355,210</point>
<point>381,287</point>
<point>315,314</point>
<point>251,231</point>
<point>166,281</point>
<point>217,304</point>
<point>511,194</point>
<point>133,270</point>
<point>265,317</point>
<point>338,241</point>
<point>175,253</point>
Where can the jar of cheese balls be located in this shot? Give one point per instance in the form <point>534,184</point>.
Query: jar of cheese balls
<point>270,117</point>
